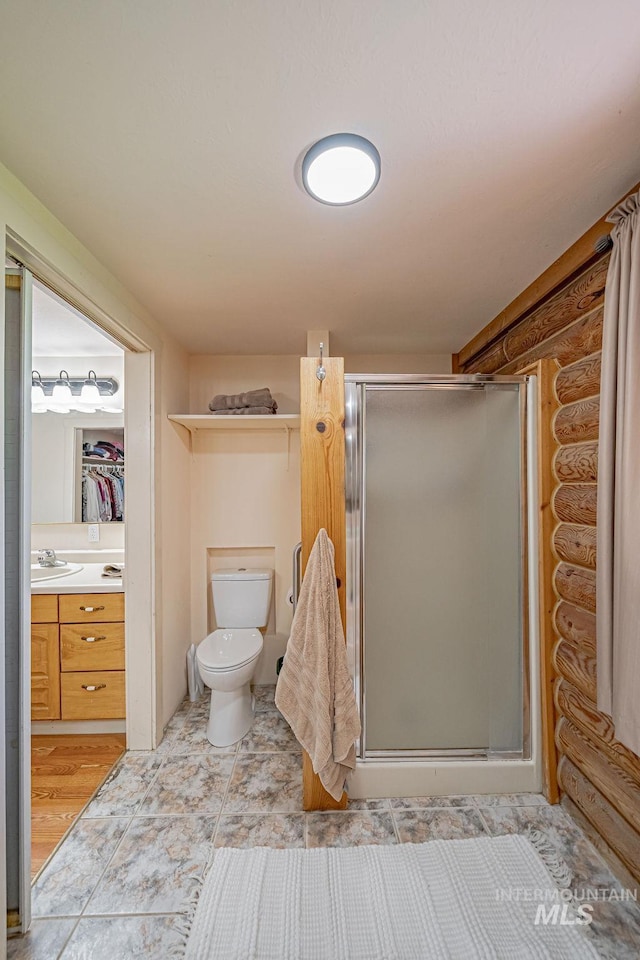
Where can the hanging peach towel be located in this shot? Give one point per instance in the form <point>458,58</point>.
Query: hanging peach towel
<point>315,692</point>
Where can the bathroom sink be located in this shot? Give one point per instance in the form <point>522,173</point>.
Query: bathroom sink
<point>39,573</point>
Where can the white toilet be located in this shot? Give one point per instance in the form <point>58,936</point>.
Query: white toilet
<point>227,657</point>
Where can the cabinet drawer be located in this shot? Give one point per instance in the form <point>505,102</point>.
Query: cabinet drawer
<point>44,608</point>
<point>106,702</point>
<point>91,607</point>
<point>98,646</point>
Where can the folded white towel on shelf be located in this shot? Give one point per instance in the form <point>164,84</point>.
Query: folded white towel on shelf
<point>113,570</point>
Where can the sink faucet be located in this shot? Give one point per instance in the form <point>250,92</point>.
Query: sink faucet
<point>47,558</point>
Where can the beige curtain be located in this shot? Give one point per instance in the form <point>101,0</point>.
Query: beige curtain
<point>618,563</point>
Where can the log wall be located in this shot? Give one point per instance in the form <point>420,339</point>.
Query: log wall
<point>597,774</point>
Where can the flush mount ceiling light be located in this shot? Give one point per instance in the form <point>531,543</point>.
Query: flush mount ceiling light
<point>341,169</point>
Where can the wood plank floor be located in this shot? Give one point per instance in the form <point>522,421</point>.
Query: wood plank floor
<point>66,770</point>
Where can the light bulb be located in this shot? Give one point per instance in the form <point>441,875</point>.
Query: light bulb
<point>37,395</point>
<point>38,399</point>
<point>61,395</point>
<point>90,393</point>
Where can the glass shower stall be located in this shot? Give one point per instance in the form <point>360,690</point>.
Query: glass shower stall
<point>438,484</point>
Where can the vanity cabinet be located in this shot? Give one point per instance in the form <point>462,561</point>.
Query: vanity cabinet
<point>78,660</point>
<point>45,658</point>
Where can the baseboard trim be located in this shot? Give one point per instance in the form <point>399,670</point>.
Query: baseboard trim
<point>78,726</point>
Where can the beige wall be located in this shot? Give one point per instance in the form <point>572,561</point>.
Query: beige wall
<point>245,494</point>
<point>398,363</point>
<point>210,375</point>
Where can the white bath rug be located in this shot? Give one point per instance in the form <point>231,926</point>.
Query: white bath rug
<point>473,899</point>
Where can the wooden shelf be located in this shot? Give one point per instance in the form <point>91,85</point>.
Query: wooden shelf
<point>208,421</point>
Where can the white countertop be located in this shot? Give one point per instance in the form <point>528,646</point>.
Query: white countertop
<point>87,580</point>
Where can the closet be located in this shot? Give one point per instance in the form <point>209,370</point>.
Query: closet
<point>100,476</point>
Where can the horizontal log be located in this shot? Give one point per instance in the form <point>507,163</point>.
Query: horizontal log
<point>580,380</point>
<point>577,626</point>
<point>613,861</point>
<point>576,585</point>
<point>578,422</point>
<point>581,339</point>
<point>621,836</point>
<point>577,462</point>
<point>575,544</point>
<point>489,361</point>
<point>579,297</point>
<point>575,666</point>
<point>597,726</point>
<point>575,503</point>
<point>610,780</point>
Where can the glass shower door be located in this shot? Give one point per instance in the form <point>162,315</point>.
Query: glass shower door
<point>440,475</point>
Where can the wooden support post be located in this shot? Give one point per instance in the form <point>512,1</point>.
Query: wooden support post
<point>322,459</point>
<point>545,371</point>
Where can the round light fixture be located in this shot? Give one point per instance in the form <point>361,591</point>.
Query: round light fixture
<point>341,169</point>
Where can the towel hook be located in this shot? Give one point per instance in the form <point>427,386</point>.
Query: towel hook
<point>321,372</point>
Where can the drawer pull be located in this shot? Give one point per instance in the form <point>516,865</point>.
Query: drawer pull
<point>90,687</point>
<point>91,609</point>
<point>92,639</point>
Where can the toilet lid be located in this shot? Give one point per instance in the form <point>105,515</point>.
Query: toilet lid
<point>223,649</point>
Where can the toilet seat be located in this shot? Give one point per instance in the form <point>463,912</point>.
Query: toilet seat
<point>226,649</point>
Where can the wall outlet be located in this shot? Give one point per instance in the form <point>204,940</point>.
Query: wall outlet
<point>94,532</point>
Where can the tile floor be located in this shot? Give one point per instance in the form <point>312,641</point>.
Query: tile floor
<point>122,880</point>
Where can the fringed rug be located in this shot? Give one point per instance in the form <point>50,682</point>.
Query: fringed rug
<point>442,900</point>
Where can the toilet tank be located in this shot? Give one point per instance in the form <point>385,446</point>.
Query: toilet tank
<point>241,596</point>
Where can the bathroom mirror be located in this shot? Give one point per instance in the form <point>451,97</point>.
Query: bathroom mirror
<point>67,448</point>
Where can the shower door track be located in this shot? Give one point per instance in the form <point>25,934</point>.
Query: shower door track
<point>455,753</point>
<point>355,422</point>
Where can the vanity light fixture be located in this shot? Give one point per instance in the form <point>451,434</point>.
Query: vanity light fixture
<point>341,169</point>
<point>64,393</point>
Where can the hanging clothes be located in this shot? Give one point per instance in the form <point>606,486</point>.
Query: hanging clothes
<point>90,505</point>
<point>102,494</point>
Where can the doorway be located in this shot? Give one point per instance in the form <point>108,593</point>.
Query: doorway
<point>78,506</point>
<point>138,730</point>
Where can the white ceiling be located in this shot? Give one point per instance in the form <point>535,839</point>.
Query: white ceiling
<point>167,137</point>
<point>59,330</point>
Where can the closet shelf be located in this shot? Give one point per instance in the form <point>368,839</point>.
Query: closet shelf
<point>207,421</point>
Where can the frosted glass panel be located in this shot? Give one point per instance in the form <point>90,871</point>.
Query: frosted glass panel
<point>441,572</point>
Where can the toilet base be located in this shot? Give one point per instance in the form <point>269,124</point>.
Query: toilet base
<point>230,716</point>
